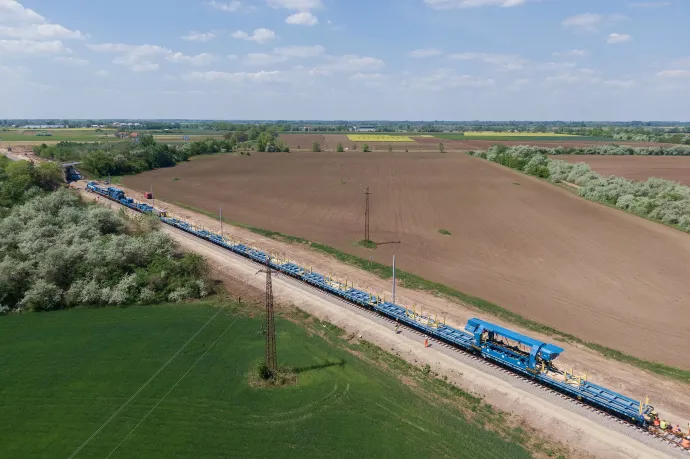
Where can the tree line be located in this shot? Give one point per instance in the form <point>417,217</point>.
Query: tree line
<point>658,199</point>
<point>120,158</point>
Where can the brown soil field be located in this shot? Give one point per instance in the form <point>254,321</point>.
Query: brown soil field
<point>601,274</point>
<point>639,168</point>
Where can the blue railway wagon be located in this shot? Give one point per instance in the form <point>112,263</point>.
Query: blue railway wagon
<point>520,353</point>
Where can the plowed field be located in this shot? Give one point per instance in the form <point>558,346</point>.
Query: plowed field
<point>640,168</point>
<point>598,273</point>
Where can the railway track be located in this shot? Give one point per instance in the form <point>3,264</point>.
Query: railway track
<point>664,438</point>
<point>661,437</point>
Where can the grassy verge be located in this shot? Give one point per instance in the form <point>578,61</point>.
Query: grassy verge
<point>416,282</point>
<point>445,232</point>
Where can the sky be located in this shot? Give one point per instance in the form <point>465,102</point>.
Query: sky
<point>346,59</point>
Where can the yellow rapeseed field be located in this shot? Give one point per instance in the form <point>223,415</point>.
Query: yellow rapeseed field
<point>378,138</point>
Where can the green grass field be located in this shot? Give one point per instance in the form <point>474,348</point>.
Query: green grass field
<point>520,137</point>
<point>29,137</point>
<point>75,382</point>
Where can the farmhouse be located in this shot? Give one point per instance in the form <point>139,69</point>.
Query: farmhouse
<point>365,129</point>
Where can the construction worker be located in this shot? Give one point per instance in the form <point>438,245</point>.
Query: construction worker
<point>676,430</point>
<point>685,443</point>
<point>663,425</point>
<point>656,421</point>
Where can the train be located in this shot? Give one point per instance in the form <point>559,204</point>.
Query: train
<point>522,354</point>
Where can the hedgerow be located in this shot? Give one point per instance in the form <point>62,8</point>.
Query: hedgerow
<point>658,199</point>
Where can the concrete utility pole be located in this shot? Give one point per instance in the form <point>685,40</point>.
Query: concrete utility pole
<point>366,215</point>
<point>393,278</point>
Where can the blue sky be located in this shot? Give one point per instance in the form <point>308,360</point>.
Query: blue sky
<point>354,59</point>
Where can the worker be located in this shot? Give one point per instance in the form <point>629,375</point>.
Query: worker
<point>656,421</point>
<point>397,329</point>
<point>686,443</point>
<point>663,425</point>
<point>676,430</point>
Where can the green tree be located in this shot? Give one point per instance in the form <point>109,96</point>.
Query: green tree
<point>365,148</point>
<point>340,148</point>
<point>316,147</point>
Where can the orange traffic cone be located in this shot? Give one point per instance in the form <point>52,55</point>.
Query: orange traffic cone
<point>426,342</point>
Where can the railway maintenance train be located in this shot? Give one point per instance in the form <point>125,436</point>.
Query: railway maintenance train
<point>524,355</point>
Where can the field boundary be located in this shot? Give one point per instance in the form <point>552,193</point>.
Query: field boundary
<point>415,282</point>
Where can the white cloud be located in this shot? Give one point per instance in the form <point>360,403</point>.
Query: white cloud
<point>229,7</point>
<point>370,80</point>
<point>649,4</point>
<point>281,55</point>
<point>518,84</point>
<point>443,79</point>
<point>350,63</point>
<point>461,4</point>
<point>619,84</point>
<point>591,23</point>
<point>300,51</point>
<point>12,11</point>
<point>101,73</point>
<point>572,53</point>
<point>298,5</point>
<point>75,61</point>
<point>503,61</point>
<point>585,21</point>
<point>551,66</point>
<point>302,18</point>
<point>682,62</point>
<point>198,60</point>
<point>40,32</point>
<point>262,59</point>
<point>32,47</point>
<point>238,77</point>
<point>260,36</point>
<point>424,52</point>
<point>676,73</point>
<point>137,58</point>
<point>615,38</point>
<point>198,36</point>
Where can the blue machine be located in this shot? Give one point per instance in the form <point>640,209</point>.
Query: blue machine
<point>522,354</point>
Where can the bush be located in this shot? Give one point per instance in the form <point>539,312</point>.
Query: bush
<point>56,252</point>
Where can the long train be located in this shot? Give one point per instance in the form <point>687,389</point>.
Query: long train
<point>522,354</point>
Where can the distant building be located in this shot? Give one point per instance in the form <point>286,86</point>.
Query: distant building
<point>365,128</point>
<point>134,135</point>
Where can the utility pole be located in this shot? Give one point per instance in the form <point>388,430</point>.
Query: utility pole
<point>271,353</point>
<point>366,215</point>
<point>393,279</point>
<point>220,217</point>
